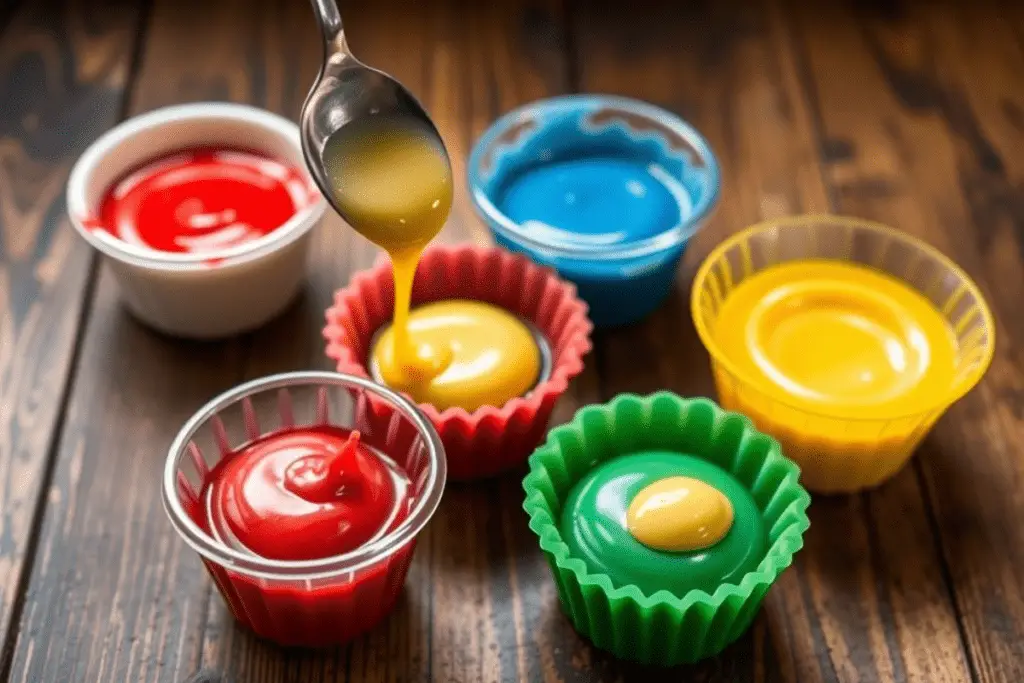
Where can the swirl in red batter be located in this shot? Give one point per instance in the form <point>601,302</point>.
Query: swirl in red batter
<point>204,200</point>
<point>304,494</point>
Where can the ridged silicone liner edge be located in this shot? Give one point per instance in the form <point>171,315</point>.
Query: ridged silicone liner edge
<point>491,439</point>
<point>663,629</point>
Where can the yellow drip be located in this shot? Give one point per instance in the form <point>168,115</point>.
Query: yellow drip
<point>393,183</point>
<point>489,356</point>
<point>679,514</point>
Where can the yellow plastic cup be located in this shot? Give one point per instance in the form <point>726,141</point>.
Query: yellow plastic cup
<point>836,453</point>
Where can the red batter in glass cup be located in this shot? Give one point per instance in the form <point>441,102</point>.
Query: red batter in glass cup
<point>304,513</point>
<point>303,494</point>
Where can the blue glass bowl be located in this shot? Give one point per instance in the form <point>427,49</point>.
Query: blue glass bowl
<point>622,274</point>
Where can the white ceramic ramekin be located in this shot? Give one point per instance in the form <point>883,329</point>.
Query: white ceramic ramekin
<point>209,295</point>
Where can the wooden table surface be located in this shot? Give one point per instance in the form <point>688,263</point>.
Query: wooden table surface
<point>912,114</point>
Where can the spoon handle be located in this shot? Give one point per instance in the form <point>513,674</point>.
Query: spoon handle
<point>329,17</point>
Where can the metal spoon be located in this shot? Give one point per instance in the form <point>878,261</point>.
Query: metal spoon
<point>345,91</point>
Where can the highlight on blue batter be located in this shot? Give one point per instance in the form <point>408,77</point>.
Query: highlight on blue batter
<point>607,190</point>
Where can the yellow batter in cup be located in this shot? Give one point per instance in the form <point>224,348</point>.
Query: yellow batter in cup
<point>394,183</point>
<point>844,339</point>
<point>491,355</point>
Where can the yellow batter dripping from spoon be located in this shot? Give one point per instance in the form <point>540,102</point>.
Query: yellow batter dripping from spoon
<point>393,182</point>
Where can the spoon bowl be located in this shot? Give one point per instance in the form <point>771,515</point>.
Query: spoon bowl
<point>347,91</point>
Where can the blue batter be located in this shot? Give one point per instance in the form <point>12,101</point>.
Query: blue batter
<point>605,190</point>
<point>595,200</point>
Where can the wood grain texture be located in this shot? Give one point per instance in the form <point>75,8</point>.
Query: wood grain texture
<point>114,595</point>
<point>907,112</point>
<point>941,136</point>
<point>166,620</point>
<point>63,69</point>
<point>478,584</point>
<point>724,67</point>
<point>866,599</point>
<point>288,36</point>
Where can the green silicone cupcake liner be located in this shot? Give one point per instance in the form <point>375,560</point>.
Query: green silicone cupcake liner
<point>663,629</point>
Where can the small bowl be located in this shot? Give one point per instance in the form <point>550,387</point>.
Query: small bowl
<point>209,295</point>
<point>318,602</point>
<point>663,628</point>
<point>491,439</point>
<point>621,280</point>
<point>837,453</point>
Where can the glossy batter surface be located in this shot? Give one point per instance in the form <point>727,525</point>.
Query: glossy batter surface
<point>594,524</point>
<point>840,337</point>
<point>203,200</point>
<point>595,200</point>
<point>394,184</point>
<point>304,494</point>
<point>679,514</point>
<point>488,356</point>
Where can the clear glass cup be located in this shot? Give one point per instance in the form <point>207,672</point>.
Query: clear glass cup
<point>840,454</point>
<point>317,602</point>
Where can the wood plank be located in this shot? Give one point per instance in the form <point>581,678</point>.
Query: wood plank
<point>495,609</point>
<point>866,599</point>
<point>519,52</point>
<point>160,598</point>
<point>478,580</point>
<point>726,69</point>
<point>955,72</point>
<point>295,342</point>
<point>922,158</point>
<point>114,594</point>
<point>63,69</point>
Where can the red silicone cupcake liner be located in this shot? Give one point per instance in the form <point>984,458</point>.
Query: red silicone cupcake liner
<point>491,439</point>
<point>290,603</point>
